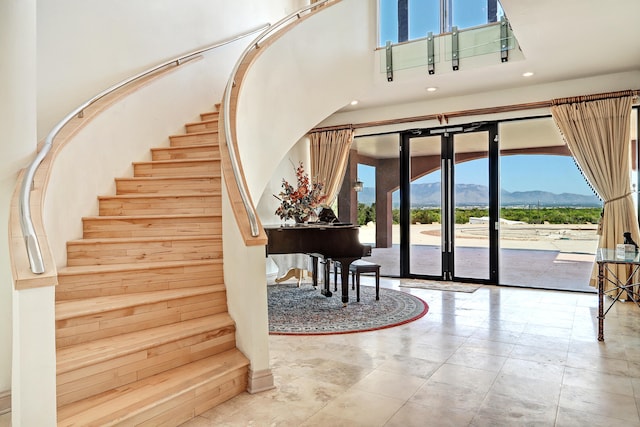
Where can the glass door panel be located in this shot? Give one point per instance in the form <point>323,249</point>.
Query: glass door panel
<point>548,212</point>
<point>471,201</point>
<point>377,161</point>
<point>425,227</point>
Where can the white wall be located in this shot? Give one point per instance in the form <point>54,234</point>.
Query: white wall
<point>311,72</point>
<point>17,121</point>
<point>87,46</point>
<point>267,204</point>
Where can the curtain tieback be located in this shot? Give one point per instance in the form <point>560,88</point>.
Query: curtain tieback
<point>618,198</point>
<point>599,231</point>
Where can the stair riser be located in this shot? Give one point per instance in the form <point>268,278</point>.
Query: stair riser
<point>82,383</point>
<point>123,282</point>
<point>168,186</point>
<point>212,115</point>
<point>151,227</point>
<point>173,413</point>
<point>176,205</point>
<point>105,252</point>
<point>83,329</point>
<point>183,153</point>
<point>209,167</point>
<point>193,139</point>
<point>202,127</point>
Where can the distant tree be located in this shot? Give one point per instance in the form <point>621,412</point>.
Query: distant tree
<point>366,213</point>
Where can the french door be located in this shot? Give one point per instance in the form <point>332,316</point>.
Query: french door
<point>449,207</point>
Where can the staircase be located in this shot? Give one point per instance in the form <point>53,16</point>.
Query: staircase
<point>143,334</point>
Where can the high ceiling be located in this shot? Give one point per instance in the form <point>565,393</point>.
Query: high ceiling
<point>562,42</point>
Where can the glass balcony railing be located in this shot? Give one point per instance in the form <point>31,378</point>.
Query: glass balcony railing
<point>489,40</point>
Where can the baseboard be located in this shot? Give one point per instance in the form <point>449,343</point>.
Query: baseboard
<point>5,402</point>
<point>260,381</point>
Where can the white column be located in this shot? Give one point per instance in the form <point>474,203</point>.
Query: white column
<point>27,335</point>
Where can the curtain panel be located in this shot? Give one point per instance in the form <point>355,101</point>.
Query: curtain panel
<point>329,157</point>
<point>597,134</point>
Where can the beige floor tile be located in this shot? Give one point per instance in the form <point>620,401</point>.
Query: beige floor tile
<point>413,415</point>
<point>487,347</point>
<point>409,366</point>
<point>526,389</point>
<point>572,418</point>
<point>593,380</point>
<point>533,370</point>
<point>602,364</point>
<point>358,408</point>
<point>390,384</point>
<point>464,376</point>
<point>476,359</point>
<point>498,410</point>
<point>598,402</point>
<point>437,396</point>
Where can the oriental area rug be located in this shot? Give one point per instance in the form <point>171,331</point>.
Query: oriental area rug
<point>305,311</point>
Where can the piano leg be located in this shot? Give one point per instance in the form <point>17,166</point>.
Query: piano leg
<point>314,270</point>
<point>325,285</point>
<point>344,277</point>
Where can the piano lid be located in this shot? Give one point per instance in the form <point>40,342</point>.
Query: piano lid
<point>329,240</point>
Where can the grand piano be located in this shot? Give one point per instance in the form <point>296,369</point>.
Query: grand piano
<point>339,242</point>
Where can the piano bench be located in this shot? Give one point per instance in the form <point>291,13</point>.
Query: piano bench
<point>357,268</point>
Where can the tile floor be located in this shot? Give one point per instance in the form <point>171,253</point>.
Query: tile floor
<point>497,357</point>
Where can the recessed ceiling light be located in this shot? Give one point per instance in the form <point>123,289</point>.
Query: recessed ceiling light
<point>432,89</point>
<point>527,74</point>
<point>354,102</point>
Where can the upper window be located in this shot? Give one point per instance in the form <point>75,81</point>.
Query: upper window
<point>404,20</point>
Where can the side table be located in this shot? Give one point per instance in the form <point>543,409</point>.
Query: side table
<point>606,258</point>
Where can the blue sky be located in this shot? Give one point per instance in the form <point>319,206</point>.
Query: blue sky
<point>424,16</point>
<point>555,174</point>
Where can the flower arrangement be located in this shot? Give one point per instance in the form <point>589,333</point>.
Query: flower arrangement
<point>299,203</point>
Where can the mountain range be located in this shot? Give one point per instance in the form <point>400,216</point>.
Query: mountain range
<point>428,195</point>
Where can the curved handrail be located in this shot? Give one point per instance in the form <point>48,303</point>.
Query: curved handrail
<point>251,213</point>
<point>26,223</point>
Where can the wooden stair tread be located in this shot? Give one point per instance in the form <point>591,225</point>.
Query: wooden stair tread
<point>141,239</point>
<point>192,134</point>
<point>117,405</point>
<point>142,217</point>
<point>152,196</point>
<point>205,121</point>
<point>188,147</point>
<point>85,354</point>
<point>86,306</point>
<point>109,268</point>
<point>215,113</point>
<point>160,178</point>
<point>176,161</point>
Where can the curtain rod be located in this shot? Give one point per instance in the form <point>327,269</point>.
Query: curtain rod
<point>481,111</point>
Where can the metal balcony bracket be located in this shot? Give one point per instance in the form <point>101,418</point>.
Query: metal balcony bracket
<point>455,54</point>
<point>504,40</point>
<point>430,54</point>
<point>389,62</point>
